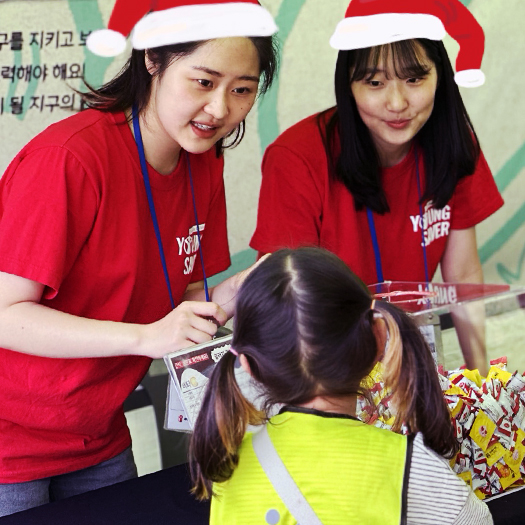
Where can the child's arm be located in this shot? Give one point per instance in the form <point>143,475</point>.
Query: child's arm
<point>437,495</point>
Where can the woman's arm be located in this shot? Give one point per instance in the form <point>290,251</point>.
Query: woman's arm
<point>461,264</point>
<point>290,207</point>
<point>29,327</point>
<point>224,293</point>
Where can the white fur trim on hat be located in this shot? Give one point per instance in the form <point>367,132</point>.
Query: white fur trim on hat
<point>358,32</point>
<point>106,42</point>
<point>470,78</point>
<point>202,22</point>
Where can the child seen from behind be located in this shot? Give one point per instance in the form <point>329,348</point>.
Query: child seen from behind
<point>309,333</point>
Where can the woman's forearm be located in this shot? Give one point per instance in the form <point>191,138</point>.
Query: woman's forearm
<point>461,264</point>
<point>32,328</point>
<point>224,293</point>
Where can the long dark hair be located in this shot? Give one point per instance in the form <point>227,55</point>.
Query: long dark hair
<point>449,144</point>
<point>304,322</point>
<point>133,84</point>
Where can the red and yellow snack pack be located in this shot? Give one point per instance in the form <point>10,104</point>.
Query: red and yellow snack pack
<point>488,415</point>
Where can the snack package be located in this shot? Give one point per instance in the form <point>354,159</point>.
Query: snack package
<point>488,415</point>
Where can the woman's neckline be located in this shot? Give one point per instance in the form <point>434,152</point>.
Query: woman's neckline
<point>402,166</point>
<point>157,180</point>
<point>144,132</point>
<point>402,160</point>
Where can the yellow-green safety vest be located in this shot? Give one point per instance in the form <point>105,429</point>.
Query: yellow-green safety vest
<point>349,472</point>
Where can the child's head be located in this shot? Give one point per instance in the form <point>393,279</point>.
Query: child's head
<point>308,327</point>
<point>304,322</point>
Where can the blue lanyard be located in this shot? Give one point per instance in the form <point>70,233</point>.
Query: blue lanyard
<point>151,204</point>
<point>375,244</point>
<point>206,292</point>
<point>373,233</point>
<point>423,243</point>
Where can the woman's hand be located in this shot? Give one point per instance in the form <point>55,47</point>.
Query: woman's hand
<point>226,292</point>
<point>29,327</point>
<point>192,322</point>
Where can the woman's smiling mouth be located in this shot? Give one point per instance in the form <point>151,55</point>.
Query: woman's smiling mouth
<point>203,130</point>
<point>398,124</point>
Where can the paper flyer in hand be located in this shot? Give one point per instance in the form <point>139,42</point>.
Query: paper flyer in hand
<point>190,370</point>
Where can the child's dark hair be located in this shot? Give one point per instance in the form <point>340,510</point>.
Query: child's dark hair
<point>304,323</point>
<point>133,84</point>
<point>449,144</point>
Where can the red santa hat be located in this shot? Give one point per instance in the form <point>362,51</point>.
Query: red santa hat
<point>370,23</point>
<point>163,22</point>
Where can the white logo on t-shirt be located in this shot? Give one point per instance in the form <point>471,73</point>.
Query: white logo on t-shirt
<point>435,222</point>
<point>189,246</point>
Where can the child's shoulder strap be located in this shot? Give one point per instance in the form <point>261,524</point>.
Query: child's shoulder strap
<point>282,481</point>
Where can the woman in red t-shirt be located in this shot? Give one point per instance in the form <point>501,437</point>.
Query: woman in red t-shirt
<point>392,179</point>
<point>83,273</point>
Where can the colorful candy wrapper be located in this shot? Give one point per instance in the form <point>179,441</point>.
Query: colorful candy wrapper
<point>507,476</point>
<point>474,376</point>
<point>466,477</point>
<point>488,415</point>
<point>516,383</point>
<point>494,453</point>
<point>493,409</point>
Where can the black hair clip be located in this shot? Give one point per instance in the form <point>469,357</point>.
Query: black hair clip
<point>222,331</point>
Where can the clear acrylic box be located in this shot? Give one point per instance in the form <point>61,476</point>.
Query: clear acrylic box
<point>498,312</point>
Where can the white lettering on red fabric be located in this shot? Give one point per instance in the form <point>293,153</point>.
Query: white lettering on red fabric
<point>189,246</point>
<point>435,223</point>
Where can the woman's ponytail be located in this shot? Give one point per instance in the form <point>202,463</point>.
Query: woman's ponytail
<point>220,427</point>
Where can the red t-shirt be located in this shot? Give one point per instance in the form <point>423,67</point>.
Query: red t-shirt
<point>299,204</point>
<point>74,216</point>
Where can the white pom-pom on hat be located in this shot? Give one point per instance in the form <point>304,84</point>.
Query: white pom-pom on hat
<point>106,42</point>
<point>470,78</point>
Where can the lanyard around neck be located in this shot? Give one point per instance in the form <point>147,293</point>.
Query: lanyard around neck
<point>373,233</point>
<point>151,204</point>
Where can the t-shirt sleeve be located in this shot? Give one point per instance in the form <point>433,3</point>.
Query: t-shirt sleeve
<point>47,210</point>
<point>437,496</point>
<point>215,249</point>
<point>476,197</point>
<point>290,202</point>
